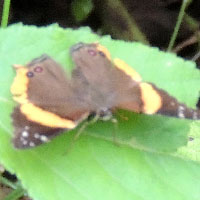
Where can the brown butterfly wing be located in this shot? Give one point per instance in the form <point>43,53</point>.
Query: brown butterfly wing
<point>171,107</point>
<point>108,86</point>
<point>112,87</point>
<point>96,84</point>
<point>29,134</point>
<point>51,90</point>
<point>45,92</point>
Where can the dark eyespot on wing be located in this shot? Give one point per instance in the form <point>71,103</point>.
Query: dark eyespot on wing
<point>38,69</point>
<point>101,53</point>
<point>29,74</point>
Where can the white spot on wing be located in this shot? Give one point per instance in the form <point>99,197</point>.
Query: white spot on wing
<point>27,127</point>
<point>195,116</point>
<point>43,138</point>
<point>24,142</point>
<point>172,103</point>
<point>25,134</point>
<point>181,112</point>
<point>36,135</point>
<point>31,144</point>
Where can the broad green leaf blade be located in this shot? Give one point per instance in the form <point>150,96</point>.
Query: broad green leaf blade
<point>136,163</point>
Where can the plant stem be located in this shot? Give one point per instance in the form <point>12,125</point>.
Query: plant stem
<point>6,8</point>
<point>178,24</point>
<point>15,194</point>
<point>133,27</point>
<point>7,182</point>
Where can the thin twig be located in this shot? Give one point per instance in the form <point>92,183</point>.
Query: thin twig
<point>178,24</point>
<point>191,40</point>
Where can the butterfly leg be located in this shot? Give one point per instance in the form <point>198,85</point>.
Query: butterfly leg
<point>81,129</point>
<point>115,123</point>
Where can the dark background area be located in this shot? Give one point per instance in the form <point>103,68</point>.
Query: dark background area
<point>156,19</point>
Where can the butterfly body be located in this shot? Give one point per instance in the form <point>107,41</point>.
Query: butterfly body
<point>50,102</point>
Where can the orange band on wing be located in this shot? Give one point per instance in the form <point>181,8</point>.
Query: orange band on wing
<point>38,115</point>
<point>151,99</point>
<point>104,50</point>
<point>127,69</point>
<point>19,86</point>
<point>121,64</point>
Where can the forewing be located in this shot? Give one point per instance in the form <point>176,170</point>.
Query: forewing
<point>46,86</point>
<point>164,104</point>
<point>121,87</point>
<point>47,103</point>
<point>153,100</point>
<point>107,84</point>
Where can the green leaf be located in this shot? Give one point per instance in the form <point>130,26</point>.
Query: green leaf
<point>81,9</point>
<point>140,162</point>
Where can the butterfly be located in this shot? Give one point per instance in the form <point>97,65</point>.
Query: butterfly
<point>50,102</point>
